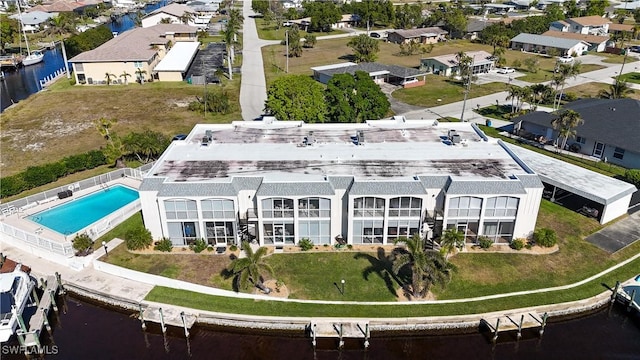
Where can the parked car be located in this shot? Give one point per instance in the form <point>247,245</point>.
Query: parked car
<point>635,49</point>
<point>565,59</point>
<point>506,70</point>
<point>375,35</point>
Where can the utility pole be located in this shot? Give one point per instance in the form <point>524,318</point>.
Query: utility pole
<point>286,32</point>
<point>204,72</point>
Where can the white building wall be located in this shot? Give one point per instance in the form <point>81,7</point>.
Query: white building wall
<point>156,18</point>
<point>615,209</point>
<point>152,217</point>
<point>527,215</point>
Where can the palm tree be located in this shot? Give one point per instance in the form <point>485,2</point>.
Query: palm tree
<point>126,76</point>
<point>166,21</point>
<point>104,125</point>
<point>565,71</point>
<point>565,123</point>
<point>427,267</point>
<point>450,240</point>
<point>539,92</point>
<point>230,35</point>
<point>108,77</point>
<point>617,90</point>
<point>247,269</point>
<point>514,92</point>
<point>140,75</point>
<point>186,17</point>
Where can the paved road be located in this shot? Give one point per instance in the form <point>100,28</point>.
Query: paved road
<point>253,86</point>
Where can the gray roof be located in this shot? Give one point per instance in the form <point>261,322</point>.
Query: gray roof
<point>411,33</point>
<point>246,183</point>
<point>151,184</point>
<point>172,9</point>
<point>34,17</point>
<point>198,189</point>
<point>340,182</point>
<point>295,189</point>
<point>609,121</point>
<point>394,70</point>
<point>531,181</point>
<point>434,182</point>
<point>543,40</point>
<point>387,188</point>
<point>485,187</point>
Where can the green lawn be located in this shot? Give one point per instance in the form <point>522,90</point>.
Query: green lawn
<point>495,111</point>
<point>613,58</point>
<point>546,74</point>
<point>440,90</point>
<point>270,31</point>
<point>633,77</point>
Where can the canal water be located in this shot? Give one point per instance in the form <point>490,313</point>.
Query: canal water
<point>87,331</point>
<point>23,82</point>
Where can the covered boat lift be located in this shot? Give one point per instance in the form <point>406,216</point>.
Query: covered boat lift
<point>584,190</point>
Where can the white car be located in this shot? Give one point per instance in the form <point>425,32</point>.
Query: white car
<point>565,59</point>
<point>506,70</point>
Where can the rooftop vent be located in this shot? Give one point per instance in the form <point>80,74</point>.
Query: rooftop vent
<point>360,137</point>
<point>205,141</point>
<point>309,139</point>
<point>399,119</point>
<point>269,119</point>
<point>455,139</point>
<point>451,134</point>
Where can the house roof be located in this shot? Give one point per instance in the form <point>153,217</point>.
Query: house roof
<point>370,68</point>
<point>179,57</point>
<point>543,40</point>
<point>628,5</point>
<point>592,39</point>
<point>59,6</point>
<point>593,20</point>
<point>174,9</point>
<point>132,45</point>
<point>451,61</point>
<point>620,27</point>
<point>413,33</point>
<point>607,121</point>
<point>34,17</point>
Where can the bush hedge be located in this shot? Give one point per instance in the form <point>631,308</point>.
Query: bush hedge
<point>164,244</point>
<point>485,242</point>
<point>138,238</point>
<point>545,237</point>
<point>633,176</point>
<point>35,176</point>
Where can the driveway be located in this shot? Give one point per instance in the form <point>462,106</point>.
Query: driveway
<point>618,235</point>
<point>397,106</point>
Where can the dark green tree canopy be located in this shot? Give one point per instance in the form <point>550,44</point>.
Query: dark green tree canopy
<point>322,13</point>
<point>365,48</point>
<point>296,97</point>
<point>369,100</point>
<point>339,96</point>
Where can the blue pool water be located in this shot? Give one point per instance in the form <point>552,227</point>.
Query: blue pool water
<point>73,216</point>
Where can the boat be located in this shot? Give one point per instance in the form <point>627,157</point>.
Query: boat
<point>31,58</point>
<point>15,290</point>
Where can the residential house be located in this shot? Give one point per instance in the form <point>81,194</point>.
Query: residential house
<point>628,6</point>
<point>619,30</point>
<point>610,131</point>
<point>278,182</point>
<point>136,52</point>
<point>543,44</point>
<point>380,73</point>
<point>446,65</point>
<point>34,21</point>
<point>596,43</point>
<point>429,35</point>
<point>174,12</point>
<point>594,25</point>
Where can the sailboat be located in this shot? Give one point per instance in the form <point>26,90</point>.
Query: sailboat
<point>32,57</point>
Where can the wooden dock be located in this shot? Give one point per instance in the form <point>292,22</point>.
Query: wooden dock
<point>515,322</point>
<point>31,338</point>
<point>341,330</point>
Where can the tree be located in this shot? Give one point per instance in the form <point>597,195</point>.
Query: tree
<point>166,21</point>
<point>572,9</point>
<point>566,122</point>
<point>618,90</point>
<point>140,75</point>
<point>532,64</point>
<point>539,92</point>
<point>138,238</point>
<point>108,77</point>
<point>364,47</point>
<point>260,6</point>
<point>408,16</point>
<point>596,7</point>
<point>61,25</point>
<point>296,97</point>
<point>450,240</point>
<point>82,243</point>
<point>310,41</point>
<point>186,17</point>
<point>104,126</point>
<point>554,12</point>
<point>339,98</point>
<point>248,270</point>
<point>427,267</point>
<point>293,39</point>
<point>230,36</point>
<point>126,77</point>
<point>563,72</point>
<point>9,28</point>
<point>455,21</point>
<point>145,146</point>
<point>636,16</point>
<point>369,101</point>
<point>323,14</point>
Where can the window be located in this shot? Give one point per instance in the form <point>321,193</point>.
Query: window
<point>401,228</point>
<point>218,209</point>
<point>618,153</point>
<point>220,232</point>
<point>465,206</point>
<point>368,207</point>
<point>137,64</point>
<point>181,209</point>
<point>405,206</point>
<point>318,231</point>
<point>367,231</point>
<point>279,232</point>
<point>277,208</point>
<point>501,206</point>
<point>182,233</point>
<point>581,140</point>
<point>468,228</point>
<point>314,207</point>
<point>499,231</point>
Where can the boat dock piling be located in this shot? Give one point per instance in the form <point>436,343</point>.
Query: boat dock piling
<point>341,330</point>
<point>626,296</point>
<point>515,322</point>
<point>31,338</point>
<point>52,77</point>
<point>169,316</point>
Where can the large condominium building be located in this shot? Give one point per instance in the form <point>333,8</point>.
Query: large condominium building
<point>278,182</point>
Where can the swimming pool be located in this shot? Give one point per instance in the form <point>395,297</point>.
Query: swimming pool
<point>73,216</point>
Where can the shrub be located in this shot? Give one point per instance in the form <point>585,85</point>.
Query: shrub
<point>164,245</point>
<point>233,247</point>
<point>349,246</point>
<point>138,238</point>
<point>545,237</point>
<point>631,175</point>
<point>305,244</point>
<point>82,244</point>
<point>517,244</point>
<point>485,242</point>
<point>198,246</point>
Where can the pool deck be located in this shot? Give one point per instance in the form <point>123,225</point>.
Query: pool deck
<point>19,219</point>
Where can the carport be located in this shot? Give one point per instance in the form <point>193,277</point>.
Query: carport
<point>575,187</point>
<point>177,61</point>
